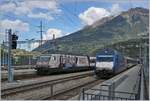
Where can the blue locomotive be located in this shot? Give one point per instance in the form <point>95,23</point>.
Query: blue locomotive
<point>109,62</point>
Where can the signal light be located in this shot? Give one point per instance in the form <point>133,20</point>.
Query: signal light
<point>14,41</point>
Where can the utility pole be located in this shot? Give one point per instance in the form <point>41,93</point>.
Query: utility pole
<point>53,36</point>
<point>6,36</point>
<point>41,32</point>
<point>10,69</point>
<point>53,42</point>
<point>142,48</point>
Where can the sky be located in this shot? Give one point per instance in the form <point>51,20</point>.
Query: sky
<point>59,17</point>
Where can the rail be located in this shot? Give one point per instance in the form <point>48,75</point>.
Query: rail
<point>51,83</point>
<point>20,67</point>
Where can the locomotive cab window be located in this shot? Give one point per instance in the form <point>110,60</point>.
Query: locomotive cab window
<point>104,59</point>
<point>43,59</point>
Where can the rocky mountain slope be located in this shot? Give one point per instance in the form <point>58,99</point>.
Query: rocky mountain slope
<point>125,26</point>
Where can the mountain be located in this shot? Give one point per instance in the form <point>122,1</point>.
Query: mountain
<point>127,25</point>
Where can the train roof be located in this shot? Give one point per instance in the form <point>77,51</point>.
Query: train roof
<point>107,51</point>
<point>61,54</point>
<point>93,57</point>
<point>129,58</point>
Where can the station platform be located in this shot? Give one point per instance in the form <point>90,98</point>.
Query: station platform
<point>125,86</point>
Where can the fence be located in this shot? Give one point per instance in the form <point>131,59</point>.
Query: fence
<point>100,94</point>
<point>107,92</point>
<point>19,61</point>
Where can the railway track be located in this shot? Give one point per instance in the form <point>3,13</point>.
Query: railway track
<point>68,94</point>
<point>20,74</point>
<point>28,91</point>
<point>74,94</point>
<point>19,67</point>
<point>22,77</point>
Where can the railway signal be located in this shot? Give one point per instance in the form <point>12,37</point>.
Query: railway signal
<point>10,69</point>
<point>14,39</point>
<point>12,44</point>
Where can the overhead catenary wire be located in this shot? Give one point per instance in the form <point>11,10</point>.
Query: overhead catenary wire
<point>76,6</point>
<point>76,16</point>
<point>68,13</point>
<point>62,21</point>
<point>70,19</point>
<point>18,18</point>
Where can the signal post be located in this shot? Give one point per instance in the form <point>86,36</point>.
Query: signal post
<point>12,44</point>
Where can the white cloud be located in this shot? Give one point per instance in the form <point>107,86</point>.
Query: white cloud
<point>40,15</point>
<point>93,14</point>
<point>49,5</point>
<point>115,9</point>
<point>16,9</point>
<point>22,10</point>
<point>52,31</point>
<point>107,1</point>
<point>27,7</point>
<point>67,33</point>
<point>34,45</point>
<point>17,25</point>
<point>7,7</point>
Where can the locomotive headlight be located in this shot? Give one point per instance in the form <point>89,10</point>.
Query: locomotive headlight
<point>104,65</point>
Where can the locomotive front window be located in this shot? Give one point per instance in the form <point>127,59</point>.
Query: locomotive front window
<point>105,59</point>
<point>44,59</point>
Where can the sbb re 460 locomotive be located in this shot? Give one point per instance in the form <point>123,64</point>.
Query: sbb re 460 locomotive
<point>109,62</point>
<point>60,63</point>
